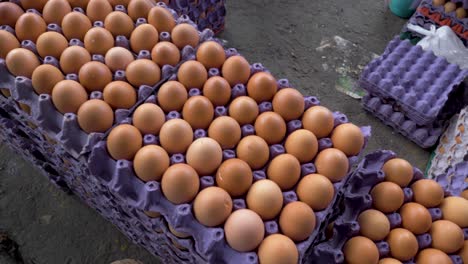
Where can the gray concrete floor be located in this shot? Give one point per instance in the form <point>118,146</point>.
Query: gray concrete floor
<point>52,227</point>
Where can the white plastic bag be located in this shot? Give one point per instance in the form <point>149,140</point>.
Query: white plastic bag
<point>444,43</point>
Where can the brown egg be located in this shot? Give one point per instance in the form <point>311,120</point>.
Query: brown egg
<point>68,96</point>
<point>192,74</point>
<point>211,54</point>
<point>94,76</point>
<point>297,221</point>
<point>95,116</point>
<point>387,197</point>
<point>253,150</point>
<point>438,2</point>
<point>460,12</point>
<point>265,198</point>
<point>98,41</point>
<point>30,4</point>
<point>198,112</point>
<point>236,69</point>
<point>433,256</point>
<point>244,230</point>
<point>144,37</point>
<point>51,44</point>
<point>161,19</point>
<point>217,89</point>
<point>165,53</point>
<point>398,171</point>
<point>143,72</point>
<point>119,24</point>
<point>348,138</point>
<point>278,248</point>
<point>120,95</point>
<point>389,261</point>
<point>285,170</point>
<point>204,155</point>
<point>262,87</point>
<point>450,7</point>
<point>302,144</point>
<point>139,8</point>
<point>226,131</point>
<point>21,62</point>
<point>244,110</point>
<point>416,218</point>
<point>172,96</point>
<point>332,163</point>
<point>9,14</point>
<point>455,209</point>
<point>55,10</point>
<point>234,176</point>
<point>148,118</point>
<point>271,127</point>
<point>79,3</point>
<point>319,120</point>
<point>75,25</point>
<point>180,183</point>
<point>289,103</point>
<point>119,2</point>
<point>124,141</point>
<point>464,252</point>
<point>176,135</point>
<point>150,163</point>
<point>45,77</point>
<point>403,244</point>
<point>315,190</point>
<point>360,250</point>
<point>8,42</point>
<point>464,194</point>
<point>118,58</point>
<point>212,206</point>
<point>29,27</point>
<point>427,192</point>
<point>97,10</point>
<point>73,58</point>
<point>185,35</point>
<point>374,224</point>
<point>446,236</point>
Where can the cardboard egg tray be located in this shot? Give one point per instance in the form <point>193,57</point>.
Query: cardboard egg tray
<point>356,199</point>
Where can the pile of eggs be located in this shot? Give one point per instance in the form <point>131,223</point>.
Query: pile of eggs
<point>450,7</point>
<point>427,228</point>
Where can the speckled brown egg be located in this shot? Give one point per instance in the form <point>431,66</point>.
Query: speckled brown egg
<point>94,76</point>
<point>319,120</point>
<point>150,163</point>
<point>33,4</point>
<point>144,37</point>
<point>55,10</point>
<point>95,116</point>
<point>124,141</point>
<point>176,135</point>
<point>236,69</point>
<point>271,127</point>
<point>398,171</point>
<point>198,112</point>
<point>360,250</point>
<point>387,197</point>
<point>289,103</point>
<point>118,58</point>
<point>68,96</point>
<point>373,224</point>
<point>433,256</point>
<point>278,248</point>
<point>8,42</point>
<point>143,72</point>
<point>302,144</point>
<point>262,87</point>
<point>297,221</point>
<point>389,261</point>
<point>265,198</point>
<point>226,131</point>
<point>244,230</point>
<point>119,24</point>
<point>427,192</point>
<point>217,90</point>
<point>21,62</point>
<point>75,25</point>
<point>79,3</point>
<point>211,54</point>
<point>172,96</point>
<point>119,95</point>
<point>9,13</point>
<point>51,44</point>
<point>45,77</point>
<point>192,74</point>
<point>161,19</point>
<point>185,35</point>
<point>446,236</point>
<point>416,218</point>
<point>139,8</point>
<point>148,118</point>
<point>403,244</point>
<point>253,150</point>
<point>348,138</point>
<point>455,209</point>
<point>244,110</point>
<point>97,10</point>
<point>204,155</point>
<point>332,163</point>
<point>73,58</point>
<point>29,27</point>
<point>98,41</point>
<point>284,164</point>
<point>212,206</point>
<point>315,190</point>
<point>234,176</point>
<point>165,53</point>
<point>180,183</point>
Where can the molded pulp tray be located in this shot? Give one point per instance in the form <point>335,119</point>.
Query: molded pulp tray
<point>425,87</point>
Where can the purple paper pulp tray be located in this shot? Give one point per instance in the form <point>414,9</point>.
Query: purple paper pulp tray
<point>205,13</point>
<point>454,180</point>
<point>418,81</point>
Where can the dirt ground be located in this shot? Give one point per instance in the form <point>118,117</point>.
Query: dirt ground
<point>320,46</point>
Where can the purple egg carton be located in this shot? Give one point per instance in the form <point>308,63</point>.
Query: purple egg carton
<point>423,85</point>
<point>205,13</point>
<point>454,180</point>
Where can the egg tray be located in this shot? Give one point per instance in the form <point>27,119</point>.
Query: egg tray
<point>356,198</point>
<point>425,87</point>
<point>454,180</point>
